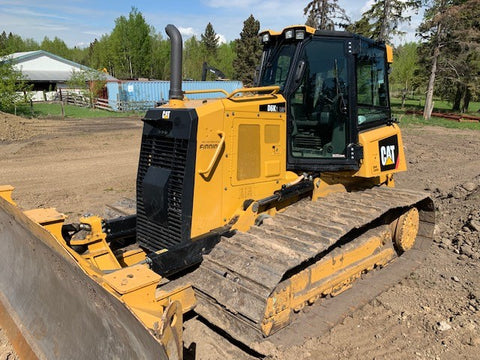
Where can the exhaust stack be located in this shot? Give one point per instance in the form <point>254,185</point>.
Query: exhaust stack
<point>175,92</point>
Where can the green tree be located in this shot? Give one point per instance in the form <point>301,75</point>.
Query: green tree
<point>248,50</point>
<point>12,83</point>
<point>382,20</point>
<point>101,56</point>
<point>13,43</point>
<point>326,15</point>
<point>55,46</point>
<point>79,55</point>
<point>159,56</point>
<point>466,44</point>
<point>3,43</point>
<point>210,42</point>
<point>130,44</point>
<point>434,31</point>
<point>404,69</point>
<point>225,59</point>
<point>459,67</point>
<point>89,82</point>
<point>193,59</point>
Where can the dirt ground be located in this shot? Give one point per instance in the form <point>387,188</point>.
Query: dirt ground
<point>78,166</point>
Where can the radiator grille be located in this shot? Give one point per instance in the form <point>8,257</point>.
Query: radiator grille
<point>171,154</point>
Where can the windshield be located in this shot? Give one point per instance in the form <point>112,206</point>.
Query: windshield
<point>277,65</point>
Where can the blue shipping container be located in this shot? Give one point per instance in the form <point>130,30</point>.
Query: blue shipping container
<point>151,92</point>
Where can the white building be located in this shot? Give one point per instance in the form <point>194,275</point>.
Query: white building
<point>46,71</point>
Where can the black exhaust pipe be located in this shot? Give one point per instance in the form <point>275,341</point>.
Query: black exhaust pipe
<point>175,92</point>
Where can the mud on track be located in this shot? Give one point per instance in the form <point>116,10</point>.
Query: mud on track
<point>78,166</point>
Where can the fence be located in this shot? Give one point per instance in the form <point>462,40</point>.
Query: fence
<point>106,104</point>
<point>74,97</point>
<point>138,95</point>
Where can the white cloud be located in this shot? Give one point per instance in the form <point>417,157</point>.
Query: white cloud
<point>221,39</point>
<point>25,12</point>
<point>187,31</point>
<point>97,33</point>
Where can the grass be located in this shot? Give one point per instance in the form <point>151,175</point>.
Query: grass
<point>440,106</point>
<point>71,111</point>
<point>407,120</point>
<point>55,110</point>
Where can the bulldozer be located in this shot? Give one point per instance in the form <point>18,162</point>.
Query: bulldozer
<point>249,207</point>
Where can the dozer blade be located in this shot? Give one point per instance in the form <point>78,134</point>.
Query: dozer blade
<point>51,309</point>
<point>252,282</point>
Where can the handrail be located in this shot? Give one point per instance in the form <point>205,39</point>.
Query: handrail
<point>206,91</point>
<point>215,156</point>
<point>273,90</point>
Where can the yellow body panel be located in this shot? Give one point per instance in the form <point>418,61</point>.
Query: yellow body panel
<point>251,163</point>
<point>370,166</point>
<point>389,54</point>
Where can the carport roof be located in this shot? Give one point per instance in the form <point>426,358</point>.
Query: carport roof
<point>42,66</point>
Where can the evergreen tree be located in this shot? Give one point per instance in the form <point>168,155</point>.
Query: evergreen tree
<point>382,20</point>
<point>248,50</point>
<point>361,26</point>
<point>210,41</point>
<point>325,15</point>
<point>12,43</point>
<point>3,43</point>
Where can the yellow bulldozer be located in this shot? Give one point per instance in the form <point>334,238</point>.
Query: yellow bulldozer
<point>249,206</point>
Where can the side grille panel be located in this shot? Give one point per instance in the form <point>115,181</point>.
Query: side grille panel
<point>176,155</point>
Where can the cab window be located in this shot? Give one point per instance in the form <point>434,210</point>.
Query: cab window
<point>278,66</point>
<point>372,92</point>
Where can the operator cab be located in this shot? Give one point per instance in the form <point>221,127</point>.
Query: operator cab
<point>335,84</point>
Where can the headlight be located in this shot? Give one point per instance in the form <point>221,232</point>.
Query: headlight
<point>300,34</point>
<point>289,34</point>
<point>265,38</point>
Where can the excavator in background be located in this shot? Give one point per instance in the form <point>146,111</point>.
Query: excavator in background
<point>219,75</point>
<point>248,208</point>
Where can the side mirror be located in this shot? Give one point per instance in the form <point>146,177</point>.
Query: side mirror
<point>300,71</point>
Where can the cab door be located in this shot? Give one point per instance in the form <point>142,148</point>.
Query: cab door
<point>320,135</point>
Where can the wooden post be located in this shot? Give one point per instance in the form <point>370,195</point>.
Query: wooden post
<point>63,110</point>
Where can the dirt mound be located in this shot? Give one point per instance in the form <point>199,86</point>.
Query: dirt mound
<point>16,128</point>
<point>459,223</point>
<point>6,349</point>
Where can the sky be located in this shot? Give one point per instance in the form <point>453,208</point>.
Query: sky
<point>79,22</point>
